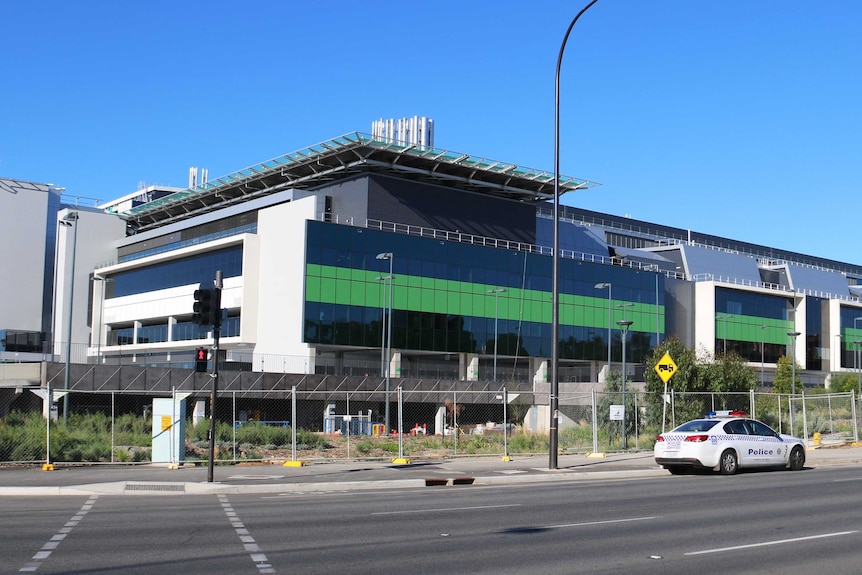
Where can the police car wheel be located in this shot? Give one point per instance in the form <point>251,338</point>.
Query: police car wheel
<point>728,463</point>
<point>797,459</point>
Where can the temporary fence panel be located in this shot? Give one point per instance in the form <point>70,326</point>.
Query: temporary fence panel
<point>117,427</point>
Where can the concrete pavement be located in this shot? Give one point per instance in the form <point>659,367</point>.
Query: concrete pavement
<point>155,479</point>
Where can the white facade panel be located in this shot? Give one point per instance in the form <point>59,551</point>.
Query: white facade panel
<point>24,220</point>
<point>704,322</point>
<point>171,304</point>
<point>94,236</point>
<point>281,230</point>
<point>248,321</point>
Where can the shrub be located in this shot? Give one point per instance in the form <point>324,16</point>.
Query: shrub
<point>529,443</point>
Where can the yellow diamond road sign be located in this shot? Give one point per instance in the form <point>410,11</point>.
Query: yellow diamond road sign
<point>665,367</point>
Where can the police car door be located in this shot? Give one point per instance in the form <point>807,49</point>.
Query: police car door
<point>770,449</point>
<point>742,440</point>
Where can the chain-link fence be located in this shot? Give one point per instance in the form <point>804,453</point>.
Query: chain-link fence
<point>275,426</point>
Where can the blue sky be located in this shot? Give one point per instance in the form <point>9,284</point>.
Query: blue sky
<point>739,119</point>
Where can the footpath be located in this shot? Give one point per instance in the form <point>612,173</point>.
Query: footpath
<point>154,479</point>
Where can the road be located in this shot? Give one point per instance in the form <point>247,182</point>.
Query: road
<point>771,522</point>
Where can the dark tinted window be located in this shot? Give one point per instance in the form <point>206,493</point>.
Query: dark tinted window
<point>697,425</point>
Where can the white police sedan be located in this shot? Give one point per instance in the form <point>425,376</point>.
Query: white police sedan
<point>727,441</point>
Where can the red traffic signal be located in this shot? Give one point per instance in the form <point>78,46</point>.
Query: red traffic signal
<point>201,360</point>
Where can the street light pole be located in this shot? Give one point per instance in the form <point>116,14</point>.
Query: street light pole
<point>604,285</point>
<point>554,403</point>
<point>655,268</point>
<point>763,327</point>
<point>858,374</point>
<point>836,364</point>
<point>721,318</point>
<point>388,359</point>
<point>623,307</point>
<point>856,344</point>
<point>624,328</point>
<point>496,292</point>
<point>102,280</point>
<point>70,220</point>
<point>793,335</point>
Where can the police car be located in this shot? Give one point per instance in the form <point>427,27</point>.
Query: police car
<point>727,441</point>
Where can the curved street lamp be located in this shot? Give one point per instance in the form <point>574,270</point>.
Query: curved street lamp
<point>387,363</point>
<point>496,293</point>
<point>624,324</point>
<point>70,220</point>
<point>555,280</point>
<point>608,285</point>
<point>793,335</point>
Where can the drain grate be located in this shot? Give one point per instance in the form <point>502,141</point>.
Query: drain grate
<point>157,487</point>
<point>448,482</point>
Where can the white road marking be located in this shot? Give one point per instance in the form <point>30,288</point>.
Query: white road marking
<point>251,547</point>
<point>260,477</point>
<point>606,522</point>
<point>767,543</point>
<point>443,509</point>
<point>55,540</point>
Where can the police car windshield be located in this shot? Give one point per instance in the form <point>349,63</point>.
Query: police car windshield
<point>697,425</point>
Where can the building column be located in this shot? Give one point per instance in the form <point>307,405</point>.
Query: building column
<point>311,361</point>
<point>339,362</point>
<point>395,364</point>
<point>469,366</point>
<point>539,367</point>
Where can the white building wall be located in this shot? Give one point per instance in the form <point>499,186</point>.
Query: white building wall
<point>704,316</point>
<point>24,220</point>
<point>97,233</point>
<point>281,230</point>
<point>248,326</point>
<point>833,327</point>
<point>175,302</point>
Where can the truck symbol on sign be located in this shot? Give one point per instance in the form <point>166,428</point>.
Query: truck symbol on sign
<point>665,367</point>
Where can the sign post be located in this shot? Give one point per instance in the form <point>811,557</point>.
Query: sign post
<point>665,368</point>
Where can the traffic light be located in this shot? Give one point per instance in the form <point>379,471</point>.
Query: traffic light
<point>206,307</point>
<point>201,360</point>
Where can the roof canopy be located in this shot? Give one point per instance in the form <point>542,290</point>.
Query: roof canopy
<point>347,156</point>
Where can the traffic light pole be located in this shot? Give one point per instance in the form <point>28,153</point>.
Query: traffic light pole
<point>216,329</point>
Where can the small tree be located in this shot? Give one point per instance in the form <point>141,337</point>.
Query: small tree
<point>728,376</point>
<point>728,372</point>
<point>783,381</point>
<point>844,382</point>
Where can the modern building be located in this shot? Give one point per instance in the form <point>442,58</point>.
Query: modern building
<point>368,254</point>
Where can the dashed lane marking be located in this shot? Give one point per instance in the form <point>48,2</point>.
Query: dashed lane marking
<point>248,542</point>
<point>58,537</point>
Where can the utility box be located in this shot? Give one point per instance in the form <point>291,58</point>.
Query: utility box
<point>169,430</point>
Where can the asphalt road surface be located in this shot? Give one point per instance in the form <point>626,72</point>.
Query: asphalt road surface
<point>769,522</point>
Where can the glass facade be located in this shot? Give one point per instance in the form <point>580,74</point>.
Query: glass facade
<point>851,337</point>
<point>200,268</point>
<point>753,325</point>
<point>174,273</point>
<point>814,336</point>
<point>247,228</point>
<point>442,298</point>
